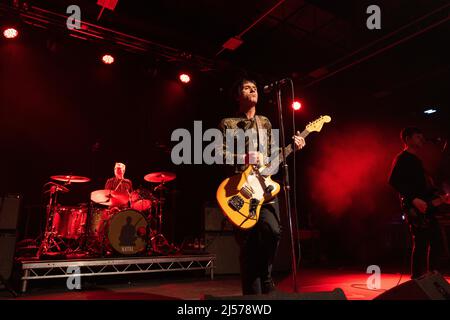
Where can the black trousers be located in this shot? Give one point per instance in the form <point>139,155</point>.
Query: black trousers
<point>258,247</point>
<point>427,247</point>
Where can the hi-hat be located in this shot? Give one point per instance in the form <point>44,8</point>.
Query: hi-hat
<point>160,177</point>
<point>70,178</point>
<point>56,187</point>
<point>160,187</point>
<point>109,198</point>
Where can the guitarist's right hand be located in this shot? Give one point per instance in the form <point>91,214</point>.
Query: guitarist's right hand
<point>420,205</point>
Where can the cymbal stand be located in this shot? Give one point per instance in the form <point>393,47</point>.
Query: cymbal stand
<point>49,240</point>
<point>87,241</point>
<point>158,240</point>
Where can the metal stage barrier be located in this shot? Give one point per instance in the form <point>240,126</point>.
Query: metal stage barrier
<point>47,269</point>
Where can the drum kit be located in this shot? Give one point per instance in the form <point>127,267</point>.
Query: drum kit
<point>114,223</point>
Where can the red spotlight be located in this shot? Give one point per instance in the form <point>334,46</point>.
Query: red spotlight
<point>10,33</point>
<point>108,59</point>
<point>296,105</point>
<point>185,78</point>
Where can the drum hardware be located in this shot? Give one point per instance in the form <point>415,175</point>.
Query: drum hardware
<point>159,243</point>
<point>126,224</point>
<point>57,187</point>
<point>53,242</point>
<point>50,241</point>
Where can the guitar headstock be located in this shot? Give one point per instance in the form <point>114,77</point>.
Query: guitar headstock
<point>317,124</point>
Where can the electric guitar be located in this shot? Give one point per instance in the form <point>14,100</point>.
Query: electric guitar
<point>419,219</point>
<point>241,196</point>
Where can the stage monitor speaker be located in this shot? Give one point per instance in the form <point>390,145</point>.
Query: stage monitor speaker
<point>431,286</point>
<point>9,213</point>
<point>336,294</point>
<point>215,221</point>
<point>7,249</point>
<point>226,249</point>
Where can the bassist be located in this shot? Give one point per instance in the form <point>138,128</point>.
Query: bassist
<point>416,192</point>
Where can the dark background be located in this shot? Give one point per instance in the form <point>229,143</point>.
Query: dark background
<point>62,111</point>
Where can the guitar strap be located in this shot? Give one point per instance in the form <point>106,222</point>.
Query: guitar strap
<point>262,137</point>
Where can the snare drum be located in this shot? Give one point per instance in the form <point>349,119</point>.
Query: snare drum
<point>127,232</point>
<point>69,222</point>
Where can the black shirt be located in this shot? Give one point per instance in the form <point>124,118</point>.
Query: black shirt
<point>409,179</point>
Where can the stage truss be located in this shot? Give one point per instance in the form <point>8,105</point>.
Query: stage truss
<point>48,269</point>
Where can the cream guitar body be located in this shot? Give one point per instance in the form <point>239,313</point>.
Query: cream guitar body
<point>241,196</point>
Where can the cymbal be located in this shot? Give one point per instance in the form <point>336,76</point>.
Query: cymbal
<point>71,178</point>
<point>109,197</point>
<point>160,177</point>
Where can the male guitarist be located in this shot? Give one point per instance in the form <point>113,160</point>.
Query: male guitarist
<point>259,244</point>
<point>416,191</point>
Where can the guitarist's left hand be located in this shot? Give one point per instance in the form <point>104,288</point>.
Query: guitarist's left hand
<point>298,141</point>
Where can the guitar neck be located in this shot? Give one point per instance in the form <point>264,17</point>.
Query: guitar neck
<point>279,158</point>
<point>289,149</point>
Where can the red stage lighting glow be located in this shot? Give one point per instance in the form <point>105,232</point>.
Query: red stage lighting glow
<point>357,160</point>
<point>185,78</point>
<point>296,105</point>
<point>108,59</point>
<point>10,33</point>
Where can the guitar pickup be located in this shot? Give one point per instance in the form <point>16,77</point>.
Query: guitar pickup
<point>236,203</point>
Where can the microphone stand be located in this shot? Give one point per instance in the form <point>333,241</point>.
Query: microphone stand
<point>287,188</point>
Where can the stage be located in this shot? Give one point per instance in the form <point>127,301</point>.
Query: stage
<point>191,286</point>
<point>52,269</point>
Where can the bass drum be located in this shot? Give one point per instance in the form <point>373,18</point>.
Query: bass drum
<point>98,219</point>
<point>127,232</point>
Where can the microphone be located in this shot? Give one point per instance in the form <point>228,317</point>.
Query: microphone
<point>269,87</point>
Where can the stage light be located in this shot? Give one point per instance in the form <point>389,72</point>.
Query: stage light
<point>185,78</point>
<point>108,59</point>
<point>430,111</point>
<point>296,105</point>
<point>10,33</point>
